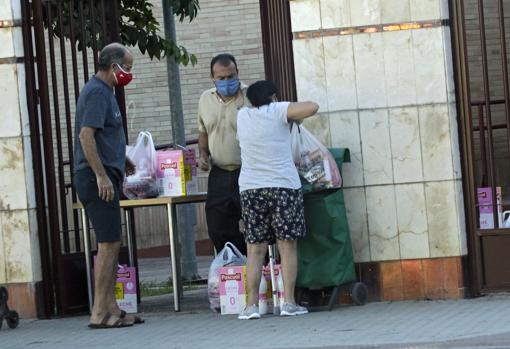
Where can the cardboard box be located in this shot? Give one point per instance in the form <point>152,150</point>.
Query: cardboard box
<point>232,288</point>
<point>191,171</point>
<point>486,210</point>
<point>170,173</point>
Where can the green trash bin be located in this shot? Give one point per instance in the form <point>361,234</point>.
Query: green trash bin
<point>325,257</point>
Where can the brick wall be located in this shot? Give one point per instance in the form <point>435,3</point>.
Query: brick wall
<point>214,31</point>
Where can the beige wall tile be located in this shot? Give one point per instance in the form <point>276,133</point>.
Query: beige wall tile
<point>412,221</point>
<point>318,125</point>
<point>345,133</point>
<point>395,11</point>
<point>6,43</point>
<point>34,246</point>
<point>12,175</point>
<point>335,13</point>
<point>29,172</point>
<point>443,219</point>
<point>405,145</point>
<point>429,65</point>
<point>382,223</point>
<point>5,9</point>
<point>399,68</point>
<point>305,15</point>
<point>10,123</point>
<point>425,10</point>
<point>376,147</point>
<point>454,135</point>
<point>310,72</point>
<point>435,142</point>
<point>369,62</point>
<point>17,249</point>
<point>365,12</point>
<point>356,207</point>
<point>340,73</point>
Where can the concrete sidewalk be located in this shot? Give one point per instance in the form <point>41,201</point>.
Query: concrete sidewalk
<point>469,323</point>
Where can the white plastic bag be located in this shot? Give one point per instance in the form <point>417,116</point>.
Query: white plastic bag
<point>313,160</point>
<point>229,255</point>
<point>143,183</point>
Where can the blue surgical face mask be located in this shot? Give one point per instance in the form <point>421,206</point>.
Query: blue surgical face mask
<point>228,87</point>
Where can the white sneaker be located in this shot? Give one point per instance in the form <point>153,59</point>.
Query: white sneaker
<point>249,313</point>
<point>289,309</point>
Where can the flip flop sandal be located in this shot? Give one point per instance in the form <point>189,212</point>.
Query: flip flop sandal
<point>104,323</point>
<point>138,319</point>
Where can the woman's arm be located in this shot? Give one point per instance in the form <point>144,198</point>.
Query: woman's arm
<point>298,111</point>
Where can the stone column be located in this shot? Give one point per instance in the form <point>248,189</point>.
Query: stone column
<point>382,73</point>
<point>19,247</point>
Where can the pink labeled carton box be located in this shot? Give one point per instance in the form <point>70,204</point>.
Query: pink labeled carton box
<point>170,172</point>
<point>486,208</point>
<point>232,289</point>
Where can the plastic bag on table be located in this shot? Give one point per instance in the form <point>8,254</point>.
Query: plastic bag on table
<point>143,183</point>
<point>229,255</point>
<point>313,160</point>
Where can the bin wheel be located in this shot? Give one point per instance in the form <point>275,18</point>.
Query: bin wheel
<point>359,293</point>
<point>12,319</point>
<point>4,295</point>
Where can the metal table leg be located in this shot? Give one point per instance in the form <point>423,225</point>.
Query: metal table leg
<point>86,246</point>
<point>173,258</point>
<point>129,239</point>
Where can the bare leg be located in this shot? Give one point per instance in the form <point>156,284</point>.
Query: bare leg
<point>106,260</point>
<point>288,252</point>
<point>256,255</point>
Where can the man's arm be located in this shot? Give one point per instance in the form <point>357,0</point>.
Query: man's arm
<point>203,148</point>
<point>88,144</point>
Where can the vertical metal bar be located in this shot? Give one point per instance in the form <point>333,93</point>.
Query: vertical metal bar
<point>504,65</point>
<point>70,5</point>
<point>61,179</point>
<point>83,30</point>
<point>51,188</point>
<point>92,21</point>
<point>487,95</point>
<point>483,145</point>
<point>463,101</point>
<point>46,310</point>
<point>103,21</point>
<point>129,239</point>
<point>173,255</point>
<point>86,246</point>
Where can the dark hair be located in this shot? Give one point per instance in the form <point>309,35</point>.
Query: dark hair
<point>111,54</point>
<point>260,92</point>
<point>223,59</point>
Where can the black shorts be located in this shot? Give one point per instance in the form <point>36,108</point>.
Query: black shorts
<point>105,216</point>
<point>272,213</point>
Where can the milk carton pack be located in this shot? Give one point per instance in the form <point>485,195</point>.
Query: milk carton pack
<point>190,171</point>
<point>486,210</point>
<point>170,173</point>
<point>232,289</point>
<point>125,289</point>
<point>266,272</point>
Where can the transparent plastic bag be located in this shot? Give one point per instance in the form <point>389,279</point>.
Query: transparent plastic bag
<point>143,183</point>
<point>313,160</point>
<point>229,255</point>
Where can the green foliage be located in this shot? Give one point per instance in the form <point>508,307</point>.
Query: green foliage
<point>138,26</point>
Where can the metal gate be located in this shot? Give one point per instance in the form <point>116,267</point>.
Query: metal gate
<point>61,42</point>
<point>483,100</point>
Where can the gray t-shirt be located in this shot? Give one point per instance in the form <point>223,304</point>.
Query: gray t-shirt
<point>98,108</point>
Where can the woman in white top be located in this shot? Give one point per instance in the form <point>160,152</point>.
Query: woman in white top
<point>271,198</point>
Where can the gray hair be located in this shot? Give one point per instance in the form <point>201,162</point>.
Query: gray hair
<point>113,53</point>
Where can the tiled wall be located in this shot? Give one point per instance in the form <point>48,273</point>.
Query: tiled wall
<point>389,97</point>
<point>19,250</point>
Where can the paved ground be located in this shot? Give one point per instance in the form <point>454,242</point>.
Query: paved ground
<point>475,323</point>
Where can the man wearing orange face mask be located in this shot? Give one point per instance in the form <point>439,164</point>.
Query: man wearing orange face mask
<point>100,164</point>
